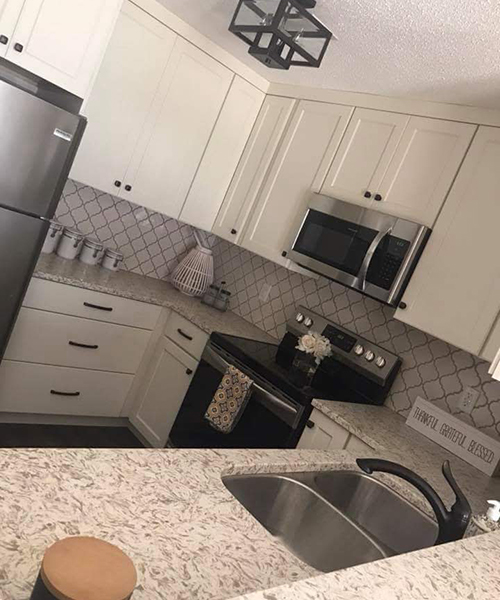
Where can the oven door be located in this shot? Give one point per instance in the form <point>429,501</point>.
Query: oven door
<point>363,249</point>
<point>270,419</point>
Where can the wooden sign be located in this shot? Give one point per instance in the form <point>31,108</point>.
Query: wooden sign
<point>451,433</point>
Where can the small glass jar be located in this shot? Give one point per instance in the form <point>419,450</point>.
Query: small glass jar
<point>53,236</point>
<point>112,259</point>
<point>91,251</point>
<point>70,244</point>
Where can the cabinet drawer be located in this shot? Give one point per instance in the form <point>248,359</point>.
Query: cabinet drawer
<point>78,302</point>
<point>26,388</point>
<point>186,335</point>
<point>44,337</point>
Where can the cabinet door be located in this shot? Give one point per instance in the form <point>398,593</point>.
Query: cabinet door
<point>121,98</point>
<point>163,393</point>
<point>63,42</point>
<point>364,155</point>
<point>253,166</point>
<point>297,169</point>
<point>423,168</point>
<point>193,91</point>
<point>321,433</point>
<point>454,293</point>
<point>492,345</point>
<point>9,14</point>
<point>223,152</point>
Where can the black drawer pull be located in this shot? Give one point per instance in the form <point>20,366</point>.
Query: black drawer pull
<point>118,183</point>
<point>189,371</point>
<point>184,335</point>
<point>377,197</point>
<point>4,39</point>
<point>90,305</point>
<point>57,393</point>
<point>18,47</point>
<point>90,346</point>
<point>128,188</point>
<point>310,424</point>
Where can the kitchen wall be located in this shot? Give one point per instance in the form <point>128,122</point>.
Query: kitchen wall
<point>153,245</point>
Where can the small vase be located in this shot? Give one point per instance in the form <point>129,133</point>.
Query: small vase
<point>304,369</point>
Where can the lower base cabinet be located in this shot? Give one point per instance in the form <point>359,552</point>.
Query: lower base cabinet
<point>321,433</point>
<point>161,397</point>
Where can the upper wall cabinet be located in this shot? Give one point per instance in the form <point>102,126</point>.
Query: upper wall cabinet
<point>121,99</point>
<point>364,155</point>
<point>397,164</point>
<point>253,167</point>
<point>298,168</point>
<point>62,42</point>
<point>178,129</point>
<point>222,155</point>
<point>454,293</point>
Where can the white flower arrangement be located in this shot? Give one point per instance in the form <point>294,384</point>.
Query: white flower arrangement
<point>316,344</point>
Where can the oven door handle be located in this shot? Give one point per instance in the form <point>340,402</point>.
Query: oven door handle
<point>266,398</point>
<point>369,257</point>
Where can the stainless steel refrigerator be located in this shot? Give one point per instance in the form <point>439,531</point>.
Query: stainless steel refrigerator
<point>38,142</point>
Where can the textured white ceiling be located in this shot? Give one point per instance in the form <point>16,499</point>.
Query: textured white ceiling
<point>441,50</point>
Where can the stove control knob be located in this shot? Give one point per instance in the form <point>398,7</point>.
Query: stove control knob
<point>369,356</point>
<point>358,349</point>
<point>299,317</point>
<point>380,362</point>
<point>308,322</point>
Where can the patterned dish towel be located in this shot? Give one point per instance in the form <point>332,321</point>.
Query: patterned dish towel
<point>230,400</point>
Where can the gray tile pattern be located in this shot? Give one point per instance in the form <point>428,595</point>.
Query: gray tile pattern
<point>152,244</point>
<point>431,368</point>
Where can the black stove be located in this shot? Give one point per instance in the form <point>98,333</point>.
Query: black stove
<point>358,371</point>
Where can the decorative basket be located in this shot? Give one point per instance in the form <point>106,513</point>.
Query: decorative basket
<point>195,273</point>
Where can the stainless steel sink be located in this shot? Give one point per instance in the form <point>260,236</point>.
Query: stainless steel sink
<point>334,519</point>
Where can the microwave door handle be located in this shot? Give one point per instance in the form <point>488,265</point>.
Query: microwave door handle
<point>369,257</point>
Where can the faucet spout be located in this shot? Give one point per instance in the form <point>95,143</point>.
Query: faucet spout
<point>453,523</point>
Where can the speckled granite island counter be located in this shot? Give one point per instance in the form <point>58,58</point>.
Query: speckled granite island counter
<point>144,289</point>
<point>189,538</point>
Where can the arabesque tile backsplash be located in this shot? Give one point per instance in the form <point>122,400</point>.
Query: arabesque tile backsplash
<point>153,245</point>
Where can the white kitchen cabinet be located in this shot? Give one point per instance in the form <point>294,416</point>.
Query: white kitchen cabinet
<point>122,95</point>
<point>62,42</point>
<point>178,129</point>
<point>321,433</point>
<point>165,387</point>
<point>357,446</point>
<point>362,158</point>
<point>454,293</point>
<point>298,168</point>
<point>222,155</point>
<point>423,169</point>
<point>492,344</point>
<point>9,15</point>
<point>253,167</point>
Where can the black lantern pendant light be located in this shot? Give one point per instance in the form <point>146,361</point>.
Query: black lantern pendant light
<point>281,33</point>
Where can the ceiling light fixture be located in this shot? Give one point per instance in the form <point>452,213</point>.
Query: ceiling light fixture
<point>281,33</point>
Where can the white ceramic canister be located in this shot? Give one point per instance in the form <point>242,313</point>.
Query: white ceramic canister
<point>53,236</point>
<point>111,259</point>
<point>70,244</point>
<point>91,251</point>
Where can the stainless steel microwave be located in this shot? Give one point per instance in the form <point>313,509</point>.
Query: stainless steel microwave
<point>369,251</point>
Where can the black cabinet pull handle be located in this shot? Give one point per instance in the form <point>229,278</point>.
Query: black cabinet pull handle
<point>58,393</point>
<point>184,335</point>
<point>189,371</point>
<point>4,39</point>
<point>368,194</point>
<point>403,305</point>
<point>118,183</point>
<point>310,424</point>
<point>284,253</point>
<point>377,197</point>
<point>78,345</point>
<point>18,47</point>
<point>90,305</point>
<point>128,188</point>
<point>233,232</point>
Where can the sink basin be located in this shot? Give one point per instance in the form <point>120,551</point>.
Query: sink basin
<point>333,519</point>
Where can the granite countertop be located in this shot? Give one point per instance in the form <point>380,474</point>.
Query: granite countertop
<point>189,538</point>
<point>386,432</point>
<point>145,289</point>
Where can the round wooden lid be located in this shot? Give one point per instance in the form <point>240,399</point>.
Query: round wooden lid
<point>85,568</point>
